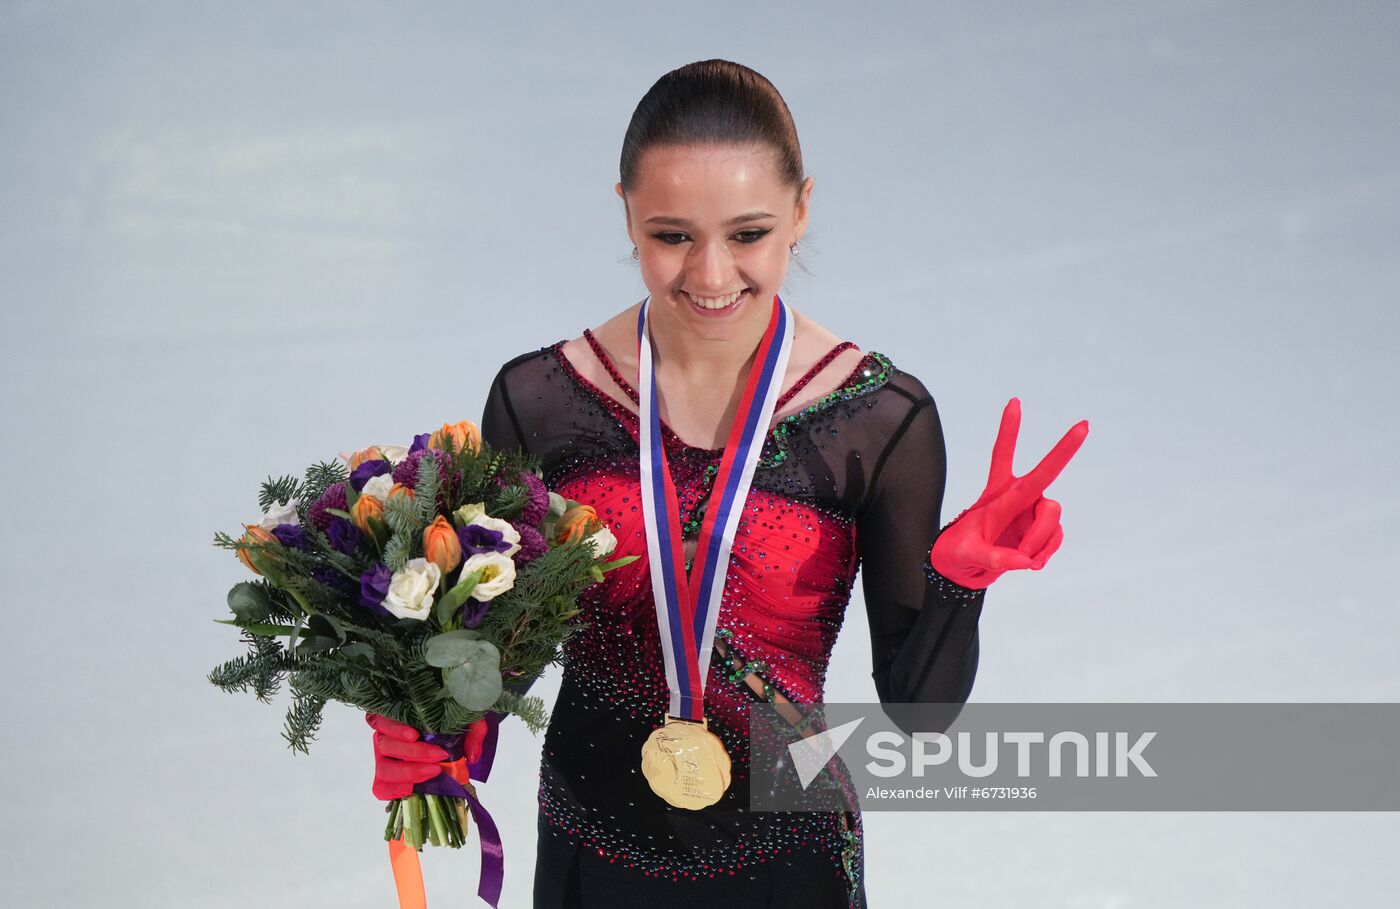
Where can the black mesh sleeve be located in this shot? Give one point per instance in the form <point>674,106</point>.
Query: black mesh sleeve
<point>501,428</point>
<point>923,627</point>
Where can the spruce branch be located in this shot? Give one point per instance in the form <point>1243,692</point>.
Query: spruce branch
<point>303,719</point>
<point>279,491</point>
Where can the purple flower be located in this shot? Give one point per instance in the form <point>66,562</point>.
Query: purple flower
<point>344,536</point>
<point>333,579</point>
<point>420,442</point>
<point>476,538</point>
<point>536,497</point>
<point>367,471</point>
<point>406,472</point>
<point>532,544</point>
<point>538,506</point>
<point>473,611</point>
<point>374,587</point>
<point>293,536</point>
<point>333,497</point>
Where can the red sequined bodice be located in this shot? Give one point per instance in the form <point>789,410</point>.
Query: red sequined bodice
<point>790,571</point>
<point>853,481</point>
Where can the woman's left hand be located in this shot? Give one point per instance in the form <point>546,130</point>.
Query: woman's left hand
<point>1011,525</point>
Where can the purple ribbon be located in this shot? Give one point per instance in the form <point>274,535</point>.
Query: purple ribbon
<point>493,866</point>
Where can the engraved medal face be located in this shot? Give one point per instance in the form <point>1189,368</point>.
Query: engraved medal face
<point>686,764</point>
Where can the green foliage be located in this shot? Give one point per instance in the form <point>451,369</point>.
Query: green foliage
<point>529,708</point>
<point>510,502</point>
<point>320,477</point>
<point>475,679</point>
<point>278,492</point>
<point>425,490</point>
<point>303,719</point>
<point>260,669</point>
<point>345,652</point>
<point>406,524</point>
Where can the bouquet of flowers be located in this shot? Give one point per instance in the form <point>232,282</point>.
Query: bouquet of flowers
<point>430,585</point>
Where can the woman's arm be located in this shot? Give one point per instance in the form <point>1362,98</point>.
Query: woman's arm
<point>500,425</point>
<point>500,428</point>
<point>923,627</point>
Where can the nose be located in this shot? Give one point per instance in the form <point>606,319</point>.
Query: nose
<point>711,268</point>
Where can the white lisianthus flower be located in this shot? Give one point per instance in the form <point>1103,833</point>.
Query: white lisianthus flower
<point>379,487</point>
<point>394,453</point>
<point>467,512</point>
<point>279,513</point>
<point>603,542</point>
<point>508,533</point>
<point>497,575</point>
<point>557,505</point>
<point>411,589</point>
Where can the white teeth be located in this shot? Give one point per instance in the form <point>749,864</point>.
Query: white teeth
<point>717,302</point>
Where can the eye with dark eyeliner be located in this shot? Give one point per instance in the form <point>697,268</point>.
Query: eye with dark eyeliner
<point>675,238</point>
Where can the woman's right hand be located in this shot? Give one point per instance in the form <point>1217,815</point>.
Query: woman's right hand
<point>400,759</point>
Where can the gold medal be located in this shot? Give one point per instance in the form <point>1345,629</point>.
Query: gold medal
<point>686,763</point>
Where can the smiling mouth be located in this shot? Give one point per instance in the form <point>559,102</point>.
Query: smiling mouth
<point>716,304</point>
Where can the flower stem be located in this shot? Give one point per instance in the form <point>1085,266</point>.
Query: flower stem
<point>412,832</point>
<point>391,829</point>
<point>438,828</point>
<point>461,806</point>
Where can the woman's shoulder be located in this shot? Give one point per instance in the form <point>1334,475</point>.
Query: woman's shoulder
<point>526,363</point>
<point>618,339</point>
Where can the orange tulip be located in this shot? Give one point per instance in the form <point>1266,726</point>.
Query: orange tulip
<point>371,453</point>
<point>398,489</point>
<point>464,435</point>
<point>260,534</point>
<point>441,546</point>
<point>574,524</point>
<point>365,508</point>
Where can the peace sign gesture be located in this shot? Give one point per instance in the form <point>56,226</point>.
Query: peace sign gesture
<point>1011,525</point>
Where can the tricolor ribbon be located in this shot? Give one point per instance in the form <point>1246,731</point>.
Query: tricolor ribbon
<point>455,780</point>
<point>687,606</point>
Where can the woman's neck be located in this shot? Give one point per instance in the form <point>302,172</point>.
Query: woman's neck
<point>717,357</point>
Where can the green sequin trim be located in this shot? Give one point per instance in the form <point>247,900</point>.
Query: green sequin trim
<point>873,379</point>
<point>756,667</point>
<point>697,517</point>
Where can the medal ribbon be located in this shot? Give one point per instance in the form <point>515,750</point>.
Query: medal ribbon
<point>686,612</point>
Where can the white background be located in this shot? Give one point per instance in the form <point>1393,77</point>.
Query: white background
<point>237,238</point>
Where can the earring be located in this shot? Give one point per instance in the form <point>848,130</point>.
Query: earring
<point>793,248</point>
<point>635,254</point>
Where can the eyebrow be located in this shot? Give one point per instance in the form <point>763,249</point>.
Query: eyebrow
<point>747,216</point>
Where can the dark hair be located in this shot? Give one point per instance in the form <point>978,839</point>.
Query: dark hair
<point>713,102</point>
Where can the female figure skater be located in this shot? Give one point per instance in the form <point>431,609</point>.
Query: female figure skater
<point>849,469</point>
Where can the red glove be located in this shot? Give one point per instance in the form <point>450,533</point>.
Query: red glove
<point>1011,525</point>
<point>400,759</point>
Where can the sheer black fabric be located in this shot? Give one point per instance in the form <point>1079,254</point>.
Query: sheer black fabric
<point>879,457</point>
<point>873,453</point>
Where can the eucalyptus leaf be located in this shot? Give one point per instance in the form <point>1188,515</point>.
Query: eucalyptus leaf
<point>453,648</point>
<point>249,602</point>
<point>316,643</point>
<point>476,684</point>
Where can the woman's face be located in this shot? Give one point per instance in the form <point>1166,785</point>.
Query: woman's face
<point>709,222</point>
